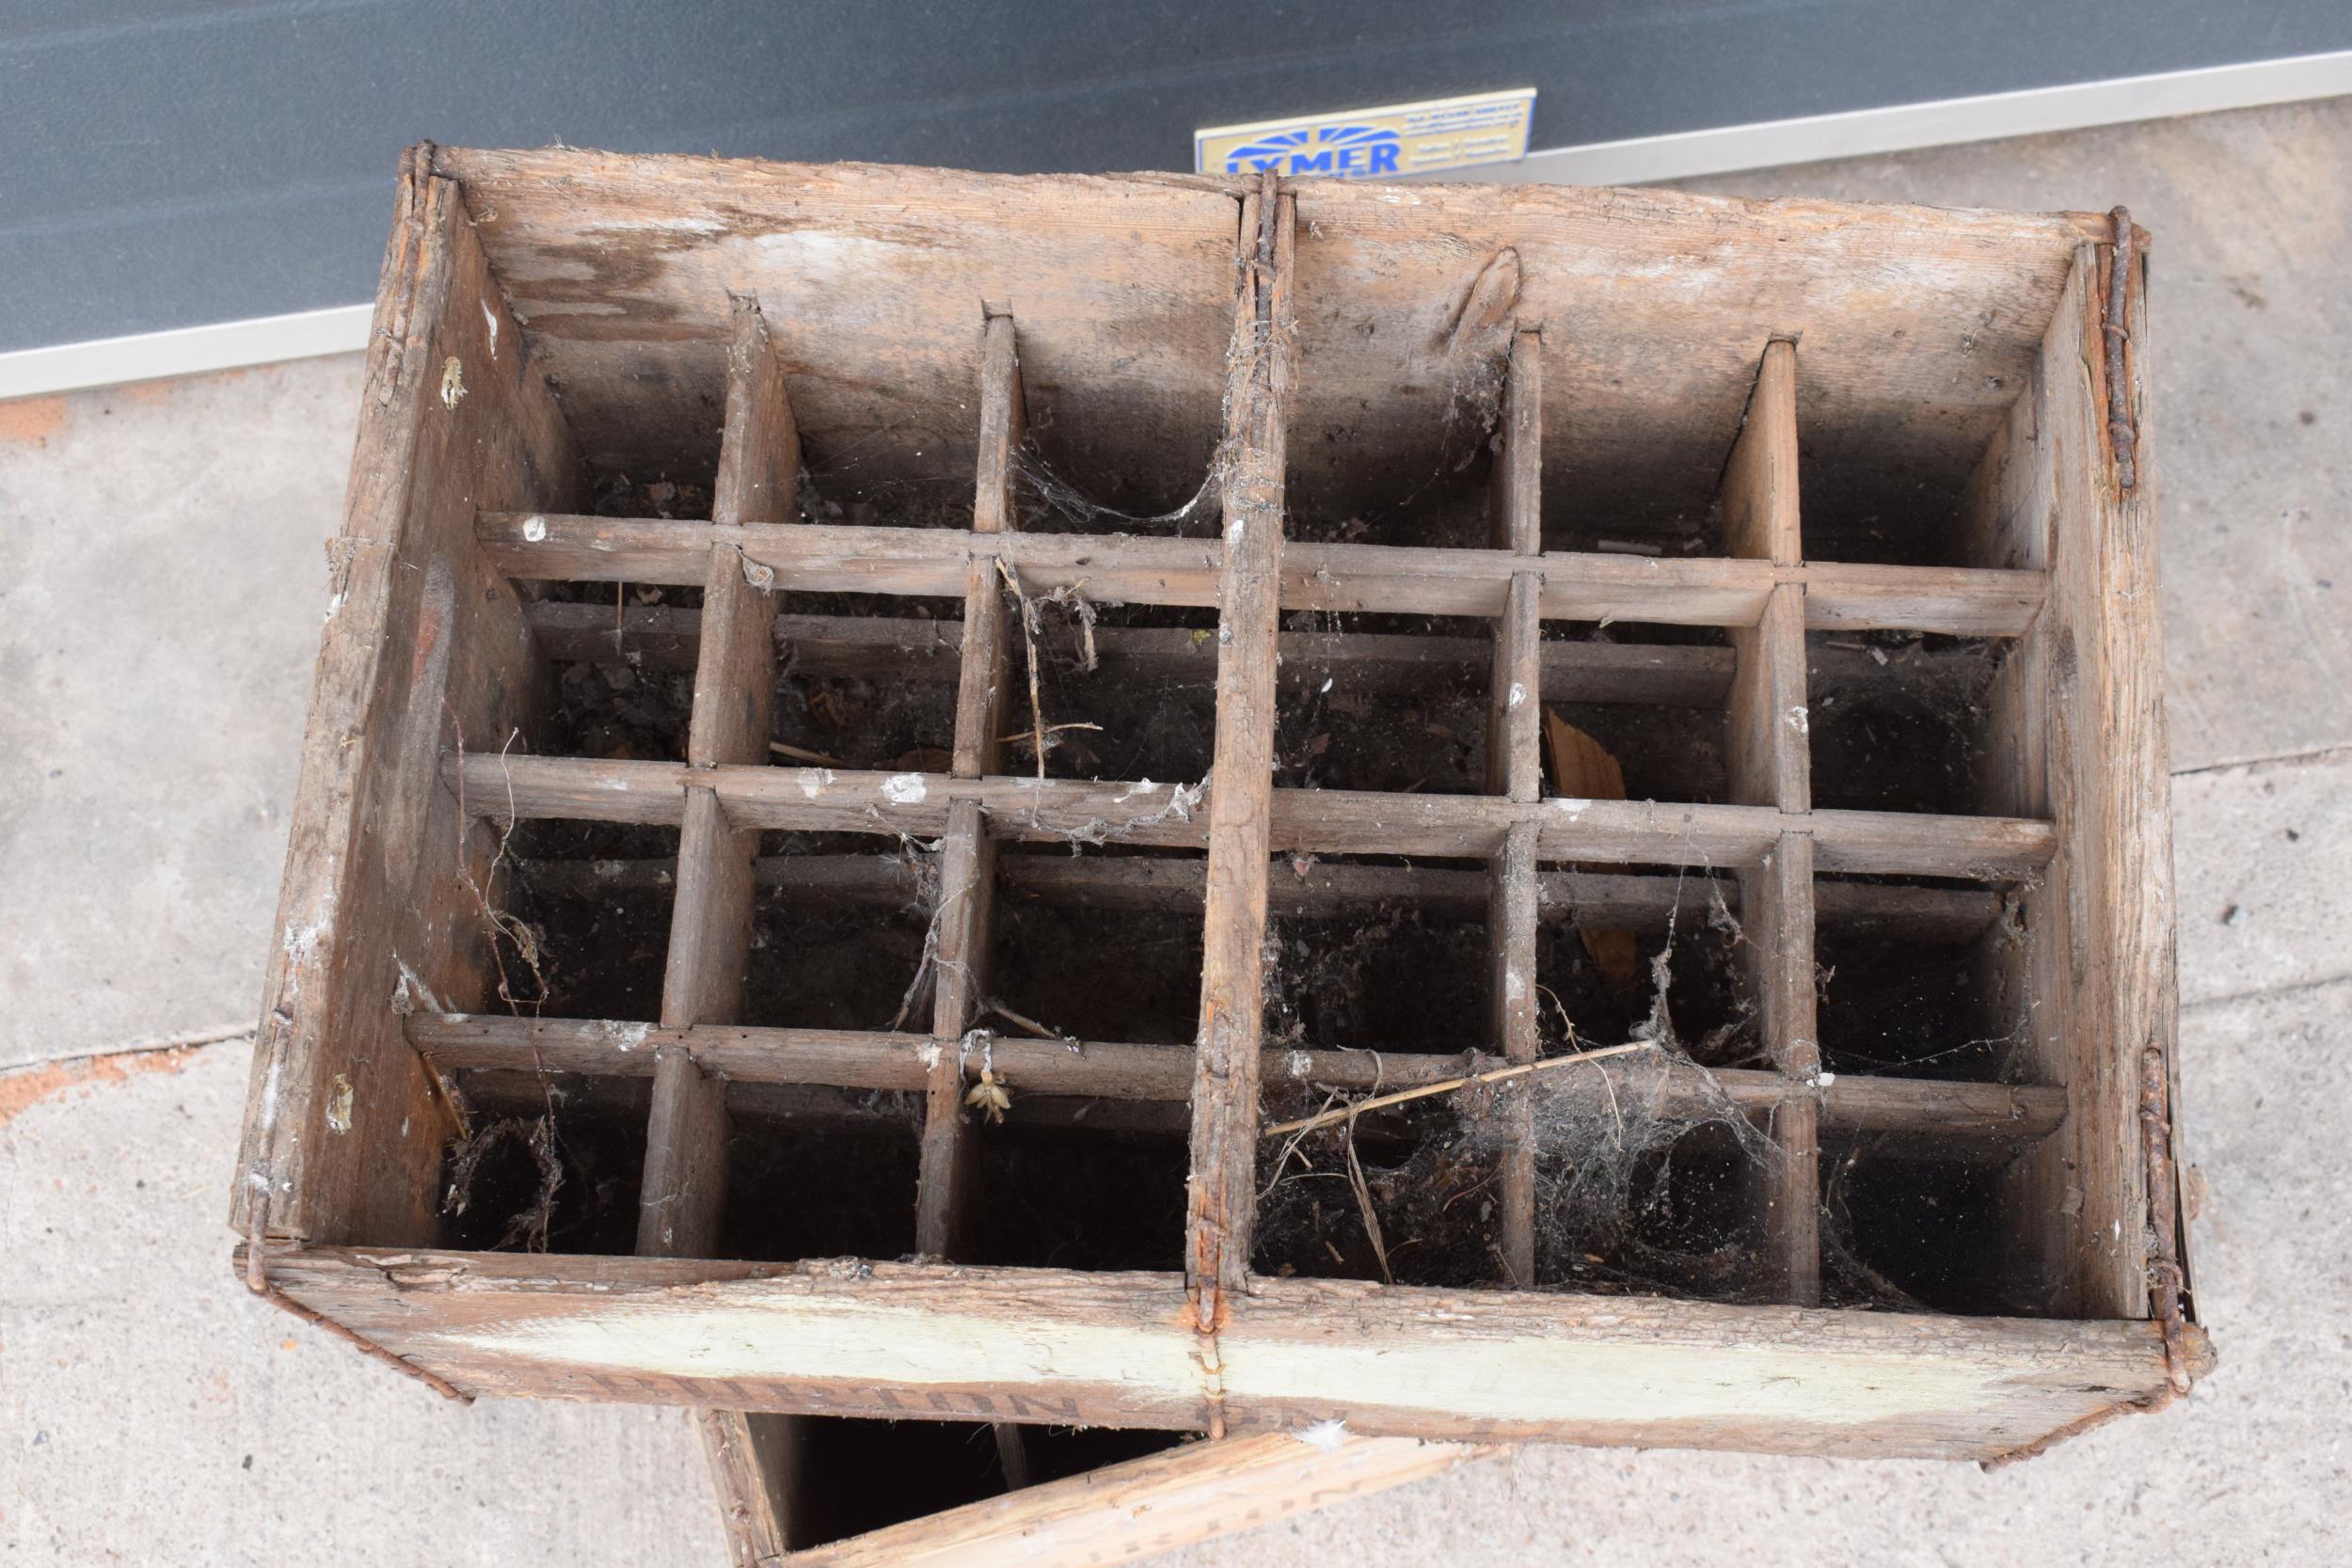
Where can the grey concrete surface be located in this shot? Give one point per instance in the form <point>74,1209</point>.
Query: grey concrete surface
<point>136,1378</point>
<point>2250,301</point>
<point>162,557</point>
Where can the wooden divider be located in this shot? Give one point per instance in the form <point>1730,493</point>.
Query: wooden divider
<point>1319,889</point>
<point>1318,821</point>
<point>1514,772</point>
<point>684,1193</point>
<point>1769,765</point>
<point>963,919</point>
<point>1989,1119</point>
<point>961,924</point>
<point>1221,1201</point>
<point>1403,580</point>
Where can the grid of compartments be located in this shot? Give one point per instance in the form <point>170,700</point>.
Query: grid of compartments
<point>1808,815</point>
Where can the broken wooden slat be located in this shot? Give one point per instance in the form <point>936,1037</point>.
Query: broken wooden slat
<point>1391,578</point>
<point>1221,1195</point>
<point>1188,1495</point>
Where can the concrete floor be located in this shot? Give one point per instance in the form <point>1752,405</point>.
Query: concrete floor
<point>160,584</point>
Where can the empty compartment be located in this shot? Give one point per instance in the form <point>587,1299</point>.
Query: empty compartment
<point>1408,1196</point>
<point>1910,1234</point>
<point>1065,1187</point>
<point>1897,721</point>
<point>1634,1196</point>
<point>1651,696</point>
<point>1122,692</point>
<point>586,929</point>
<point>546,1163</point>
<point>1384,967</point>
<point>819,1172</point>
<point>1601,935</point>
<point>1908,1006</point>
<point>1097,947</point>
<point>865,682</point>
<point>838,922</point>
<point>1390,702</point>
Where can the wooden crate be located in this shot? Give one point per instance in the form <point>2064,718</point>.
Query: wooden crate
<point>1472,455</point>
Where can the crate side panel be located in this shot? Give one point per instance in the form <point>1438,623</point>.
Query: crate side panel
<point>874,280</point>
<point>2110,785</point>
<point>1115,1350</point>
<point>424,641</point>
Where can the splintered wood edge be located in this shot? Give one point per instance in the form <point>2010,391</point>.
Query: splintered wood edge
<point>960,1342</point>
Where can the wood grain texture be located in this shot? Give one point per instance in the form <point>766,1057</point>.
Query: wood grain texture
<point>2109,783</point>
<point>1999,1116</point>
<point>422,640</point>
<point>1777,927</point>
<point>905,648</point>
<point>753,1461</point>
<point>1143,1507</point>
<point>871,279</point>
<point>684,1190</point>
<point>1319,888</point>
<point>1120,1350</point>
<point>1759,484</point>
<point>1324,821</point>
<point>959,963</point>
<point>1659,304</point>
<point>1389,578</point>
<point>1511,931</point>
<point>1221,1192</point>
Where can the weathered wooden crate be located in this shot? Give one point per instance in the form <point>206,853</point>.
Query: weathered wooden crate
<point>722,963</point>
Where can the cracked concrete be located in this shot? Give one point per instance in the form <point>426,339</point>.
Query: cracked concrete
<point>160,579</point>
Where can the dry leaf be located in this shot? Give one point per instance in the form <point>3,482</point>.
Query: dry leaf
<point>1581,769</point>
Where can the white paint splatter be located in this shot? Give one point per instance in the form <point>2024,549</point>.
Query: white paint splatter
<point>409,991</point>
<point>623,1036</point>
<point>1234,530</point>
<point>1327,683</point>
<point>1823,1080</point>
<point>534,529</point>
<point>815,780</point>
<point>1568,804</point>
<point>1518,695</point>
<point>490,320</point>
<point>904,789</point>
<point>1323,1436</point>
<point>1514,986</point>
<point>612,784</point>
<point>1298,1064</point>
<point>928,1056</point>
<point>1798,719</point>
